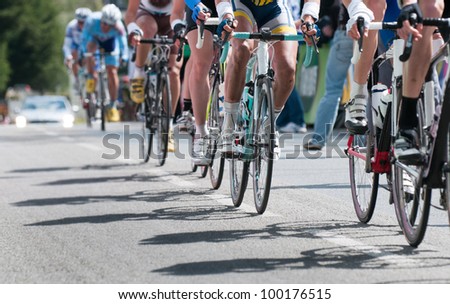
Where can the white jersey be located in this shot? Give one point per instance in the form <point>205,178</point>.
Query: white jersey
<point>72,40</point>
<point>156,7</point>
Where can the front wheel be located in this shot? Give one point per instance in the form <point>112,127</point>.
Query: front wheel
<point>238,180</point>
<point>164,101</point>
<point>364,184</point>
<point>411,197</point>
<point>263,143</point>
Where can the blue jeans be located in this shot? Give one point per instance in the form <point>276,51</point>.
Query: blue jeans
<point>293,111</point>
<point>336,73</point>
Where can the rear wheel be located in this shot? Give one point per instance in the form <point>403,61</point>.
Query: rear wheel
<point>263,131</point>
<point>164,101</point>
<point>411,197</point>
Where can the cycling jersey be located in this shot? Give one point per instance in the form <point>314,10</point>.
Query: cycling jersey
<point>72,40</point>
<point>108,41</point>
<point>156,7</point>
<point>274,14</point>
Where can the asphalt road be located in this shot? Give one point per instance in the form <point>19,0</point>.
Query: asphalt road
<point>70,215</point>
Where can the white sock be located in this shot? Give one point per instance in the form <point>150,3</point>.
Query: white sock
<point>201,129</point>
<point>276,113</point>
<point>231,112</point>
<point>138,73</point>
<point>358,89</point>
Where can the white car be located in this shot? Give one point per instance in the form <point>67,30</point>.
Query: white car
<point>46,109</point>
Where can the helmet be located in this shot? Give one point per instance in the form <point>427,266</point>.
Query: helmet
<point>111,14</point>
<point>82,13</point>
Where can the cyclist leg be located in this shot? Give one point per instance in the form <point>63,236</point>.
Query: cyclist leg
<point>91,81</point>
<point>355,114</point>
<point>199,87</point>
<point>149,26</point>
<point>414,72</point>
<point>235,74</point>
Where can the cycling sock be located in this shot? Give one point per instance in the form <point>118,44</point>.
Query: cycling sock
<point>187,105</point>
<point>231,112</point>
<point>138,73</point>
<point>408,113</point>
<point>276,113</point>
<point>201,129</point>
<point>358,89</point>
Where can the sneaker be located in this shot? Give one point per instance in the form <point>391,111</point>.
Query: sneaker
<point>289,128</point>
<point>185,121</point>
<point>90,85</point>
<point>312,145</point>
<point>199,155</point>
<point>406,147</point>
<point>355,115</point>
<point>137,90</point>
<point>171,143</point>
<point>302,129</point>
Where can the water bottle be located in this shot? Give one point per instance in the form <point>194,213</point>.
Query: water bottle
<point>247,104</point>
<point>379,103</point>
<point>221,100</point>
<point>153,78</point>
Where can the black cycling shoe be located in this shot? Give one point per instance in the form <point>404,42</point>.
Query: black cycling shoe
<point>356,126</point>
<point>406,147</point>
<point>355,115</point>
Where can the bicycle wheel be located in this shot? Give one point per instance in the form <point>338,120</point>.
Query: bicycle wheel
<point>102,84</point>
<point>89,103</point>
<point>147,134</point>
<point>447,175</point>
<point>363,184</point>
<point>214,124</point>
<point>203,171</point>
<point>238,180</point>
<point>411,198</point>
<point>263,132</point>
<point>164,101</point>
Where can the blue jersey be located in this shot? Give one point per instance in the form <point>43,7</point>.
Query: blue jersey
<point>92,32</point>
<point>72,39</point>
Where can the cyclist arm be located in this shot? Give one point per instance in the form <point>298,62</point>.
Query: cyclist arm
<point>409,7</point>
<point>310,14</point>
<point>67,46</point>
<point>134,31</point>
<point>86,35</point>
<point>357,8</point>
<point>122,37</point>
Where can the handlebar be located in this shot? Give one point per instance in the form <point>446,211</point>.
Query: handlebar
<point>268,36</point>
<point>394,25</point>
<point>201,29</point>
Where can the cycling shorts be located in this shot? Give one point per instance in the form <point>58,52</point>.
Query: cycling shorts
<point>273,14</point>
<point>110,46</point>
<point>163,22</point>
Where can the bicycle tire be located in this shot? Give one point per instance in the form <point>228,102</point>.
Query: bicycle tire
<point>263,132</point>
<point>447,176</point>
<point>412,201</point>
<point>102,81</point>
<point>214,124</point>
<point>147,133</point>
<point>238,180</point>
<point>90,109</point>
<point>164,100</point>
<point>203,171</point>
<point>361,180</point>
